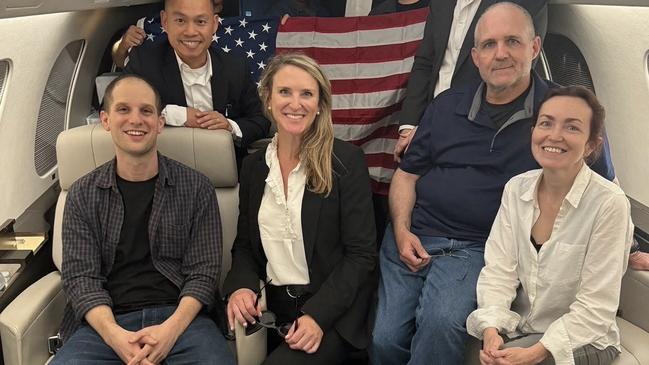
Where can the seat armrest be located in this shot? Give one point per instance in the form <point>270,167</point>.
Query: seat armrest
<point>635,297</point>
<point>251,350</point>
<point>30,319</point>
<point>634,340</point>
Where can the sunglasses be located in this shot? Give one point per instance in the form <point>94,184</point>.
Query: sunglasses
<point>268,319</point>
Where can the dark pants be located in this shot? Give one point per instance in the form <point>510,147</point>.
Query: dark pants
<point>381,216</point>
<point>585,355</point>
<point>333,348</point>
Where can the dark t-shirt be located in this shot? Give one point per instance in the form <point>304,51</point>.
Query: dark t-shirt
<point>134,283</point>
<point>500,113</point>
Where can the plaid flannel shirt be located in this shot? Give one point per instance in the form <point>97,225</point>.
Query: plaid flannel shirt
<point>184,231</point>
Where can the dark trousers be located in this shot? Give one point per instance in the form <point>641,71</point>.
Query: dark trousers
<point>333,348</point>
<point>381,216</point>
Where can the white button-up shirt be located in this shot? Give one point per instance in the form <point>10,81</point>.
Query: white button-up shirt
<point>463,15</point>
<point>280,223</point>
<point>570,289</point>
<point>198,94</point>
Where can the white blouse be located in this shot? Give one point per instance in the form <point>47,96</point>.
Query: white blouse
<point>570,289</point>
<point>280,223</point>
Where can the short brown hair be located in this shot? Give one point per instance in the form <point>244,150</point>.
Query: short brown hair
<point>108,94</point>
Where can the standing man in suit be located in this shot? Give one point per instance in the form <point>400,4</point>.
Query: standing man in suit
<point>442,59</point>
<point>200,87</point>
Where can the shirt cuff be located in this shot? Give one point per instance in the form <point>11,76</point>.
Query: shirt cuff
<point>236,131</point>
<point>175,115</point>
<point>406,126</point>
<point>504,320</point>
<point>557,342</point>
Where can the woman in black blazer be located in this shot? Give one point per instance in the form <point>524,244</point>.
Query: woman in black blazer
<point>305,226</point>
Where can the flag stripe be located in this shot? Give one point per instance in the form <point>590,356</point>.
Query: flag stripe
<point>388,132</point>
<point>379,99</point>
<point>369,54</point>
<point>350,132</point>
<point>390,82</point>
<point>342,40</point>
<point>354,24</point>
<point>364,116</point>
<point>360,71</point>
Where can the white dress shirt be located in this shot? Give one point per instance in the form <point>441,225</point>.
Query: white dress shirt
<point>463,15</point>
<point>198,94</point>
<point>570,289</point>
<point>280,223</point>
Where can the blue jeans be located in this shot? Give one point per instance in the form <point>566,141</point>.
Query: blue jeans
<point>421,316</point>
<point>201,343</point>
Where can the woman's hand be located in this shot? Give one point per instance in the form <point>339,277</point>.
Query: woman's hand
<point>241,306</point>
<point>308,336</point>
<point>521,356</point>
<point>491,342</point>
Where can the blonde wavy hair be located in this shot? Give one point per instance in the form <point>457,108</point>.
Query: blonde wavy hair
<point>317,142</point>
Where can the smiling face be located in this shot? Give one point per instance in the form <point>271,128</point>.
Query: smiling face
<point>560,137</point>
<point>132,119</point>
<point>293,100</point>
<point>190,25</point>
<point>505,47</point>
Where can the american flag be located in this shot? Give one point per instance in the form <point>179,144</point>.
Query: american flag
<point>368,60</point>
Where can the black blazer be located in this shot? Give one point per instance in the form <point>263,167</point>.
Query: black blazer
<point>232,87</point>
<point>429,57</point>
<point>339,241</point>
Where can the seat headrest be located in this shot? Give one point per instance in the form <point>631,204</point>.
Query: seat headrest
<point>82,149</point>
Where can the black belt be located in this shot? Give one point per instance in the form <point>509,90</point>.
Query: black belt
<point>283,299</point>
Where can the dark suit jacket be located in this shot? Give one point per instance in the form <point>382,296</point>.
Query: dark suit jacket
<point>232,87</point>
<point>339,242</point>
<point>429,57</point>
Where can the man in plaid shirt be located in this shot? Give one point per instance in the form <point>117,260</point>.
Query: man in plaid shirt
<point>141,248</point>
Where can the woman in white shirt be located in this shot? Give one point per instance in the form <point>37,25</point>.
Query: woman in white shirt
<point>305,226</point>
<point>561,238</point>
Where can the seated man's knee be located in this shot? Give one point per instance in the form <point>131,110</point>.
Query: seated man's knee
<point>437,321</point>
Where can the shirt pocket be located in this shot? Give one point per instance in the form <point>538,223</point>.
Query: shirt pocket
<point>173,240</point>
<point>566,263</point>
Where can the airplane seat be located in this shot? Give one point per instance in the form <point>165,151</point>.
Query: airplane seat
<point>633,323</point>
<point>36,313</point>
<point>262,143</point>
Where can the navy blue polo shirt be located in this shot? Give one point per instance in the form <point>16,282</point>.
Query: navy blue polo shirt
<point>464,160</point>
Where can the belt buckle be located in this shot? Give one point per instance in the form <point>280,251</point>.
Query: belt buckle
<point>291,291</point>
<point>297,291</point>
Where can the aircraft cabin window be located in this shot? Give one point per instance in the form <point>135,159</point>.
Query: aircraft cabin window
<point>4,76</point>
<point>52,112</point>
<point>567,65</point>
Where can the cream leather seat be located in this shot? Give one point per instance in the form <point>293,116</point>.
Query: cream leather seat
<point>633,323</point>
<point>37,312</point>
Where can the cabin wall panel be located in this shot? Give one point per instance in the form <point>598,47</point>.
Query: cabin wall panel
<point>32,44</point>
<point>614,41</point>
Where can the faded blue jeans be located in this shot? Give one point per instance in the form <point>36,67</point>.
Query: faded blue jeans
<point>421,316</point>
<point>201,343</point>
